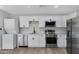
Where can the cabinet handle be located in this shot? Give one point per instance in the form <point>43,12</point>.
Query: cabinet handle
<point>33,38</point>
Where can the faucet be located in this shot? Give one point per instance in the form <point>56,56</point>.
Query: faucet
<point>34,30</point>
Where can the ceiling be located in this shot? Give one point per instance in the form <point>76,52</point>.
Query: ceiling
<point>39,9</point>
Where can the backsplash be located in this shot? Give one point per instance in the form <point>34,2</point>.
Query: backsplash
<point>30,30</point>
<point>38,30</point>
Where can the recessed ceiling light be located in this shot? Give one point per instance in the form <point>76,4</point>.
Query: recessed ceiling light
<point>1,7</point>
<point>56,6</point>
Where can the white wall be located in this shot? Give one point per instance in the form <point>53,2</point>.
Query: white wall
<point>71,15</point>
<point>3,15</point>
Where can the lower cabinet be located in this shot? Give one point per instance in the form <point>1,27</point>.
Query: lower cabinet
<point>22,40</point>
<point>61,43</point>
<point>9,41</point>
<point>36,41</point>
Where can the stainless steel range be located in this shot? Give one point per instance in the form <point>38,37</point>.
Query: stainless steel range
<point>51,38</point>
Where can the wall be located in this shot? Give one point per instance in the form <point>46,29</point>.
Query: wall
<point>3,15</point>
<point>71,15</point>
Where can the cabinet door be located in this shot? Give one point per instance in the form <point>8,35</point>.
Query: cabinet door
<point>42,21</point>
<point>61,42</point>
<point>42,41</point>
<point>20,40</point>
<point>33,18</point>
<point>25,40</point>
<point>30,39</point>
<point>35,42</point>
<point>24,21</point>
<point>60,22</point>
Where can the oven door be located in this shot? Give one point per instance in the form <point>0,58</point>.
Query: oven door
<point>51,42</point>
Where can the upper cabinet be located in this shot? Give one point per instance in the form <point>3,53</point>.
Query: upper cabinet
<point>33,18</point>
<point>42,21</point>
<point>24,20</point>
<point>60,21</point>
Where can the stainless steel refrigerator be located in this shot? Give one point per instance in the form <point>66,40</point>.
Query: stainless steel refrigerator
<point>73,35</point>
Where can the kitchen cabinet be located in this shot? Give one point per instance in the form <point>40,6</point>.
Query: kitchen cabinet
<point>42,21</point>
<point>24,21</point>
<point>33,41</point>
<point>33,18</point>
<point>36,41</point>
<point>11,26</point>
<point>25,40</point>
<point>61,42</point>
<point>42,41</point>
<point>9,41</point>
<point>22,40</point>
<point>60,21</point>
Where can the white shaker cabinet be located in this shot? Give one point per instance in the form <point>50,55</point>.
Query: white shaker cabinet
<point>22,40</point>
<point>36,41</point>
<point>33,41</point>
<point>25,40</point>
<point>33,18</point>
<point>61,42</point>
<point>60,21</point>
<point>42,21</point>
<point>24,21</point>
<point>42,41</point>
<point>9,41</point>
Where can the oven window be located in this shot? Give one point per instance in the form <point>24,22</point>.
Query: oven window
<point>51,40</point>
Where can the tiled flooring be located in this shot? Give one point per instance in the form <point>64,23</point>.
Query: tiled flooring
<point>23,50</point>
